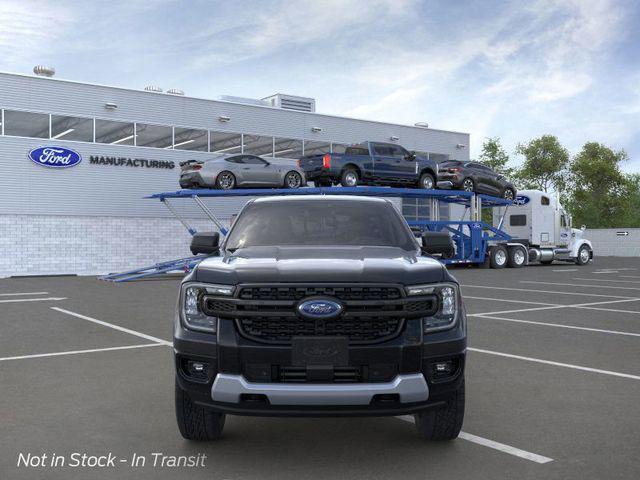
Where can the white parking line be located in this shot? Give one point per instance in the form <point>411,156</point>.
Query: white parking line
<point>629,276</point>
<point>558,325</point>
<point>111,325</point>
<point>76,352</point>
<point>27,293</point>
<point>581,285</point>
<point>556,364</point>
<point>502,447</point>
<point>545,291</point>
<point>19,300</point>
<point>551,306</point>
<point>566,270</point>
<point>605,280</point>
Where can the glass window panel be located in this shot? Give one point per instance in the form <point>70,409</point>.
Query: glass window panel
<point>26,124</point>
<point>157,136</point>
<point>71,128</point>
<point>258,145</point>
<point>222,142</point>
<point>190,139</point>
<point>338,147</point>
<point>115,133</point>
<point>287,148</point>
<point>316,148</point>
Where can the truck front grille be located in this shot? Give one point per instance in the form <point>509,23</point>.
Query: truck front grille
<point>282,329</point>
<point>371,314</point>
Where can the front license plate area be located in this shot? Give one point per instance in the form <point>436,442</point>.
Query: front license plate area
<point>320,351</point>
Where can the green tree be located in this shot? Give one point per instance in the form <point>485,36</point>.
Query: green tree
<point>545,164</point>
<point>494,156</point>
<point>600,194</point>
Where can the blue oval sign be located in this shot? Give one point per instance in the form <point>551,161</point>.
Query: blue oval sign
<point>55,157</point>
<point>521,200</point>
<point>319,308</point>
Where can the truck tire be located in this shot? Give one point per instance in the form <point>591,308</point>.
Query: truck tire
<point>442,423</point>
<point>468,185</point>
<point>517,257</point>
<point>584,255</point>
<point>196,422</point>
<point>427,181</point>
<point>499,256</point>
<point>349,177</point>
<point>508,194</point>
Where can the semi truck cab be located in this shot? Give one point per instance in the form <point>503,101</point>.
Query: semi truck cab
<point>540,223</point>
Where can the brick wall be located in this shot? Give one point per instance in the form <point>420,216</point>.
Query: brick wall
<point>53,245</point>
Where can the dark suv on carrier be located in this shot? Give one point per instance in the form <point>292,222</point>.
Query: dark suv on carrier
<point>319,306</point>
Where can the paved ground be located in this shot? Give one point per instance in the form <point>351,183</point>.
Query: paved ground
<point>553,386</point>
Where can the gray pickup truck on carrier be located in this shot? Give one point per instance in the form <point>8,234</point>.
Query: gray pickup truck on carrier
<point>371,163</point>
<point>319,306</point>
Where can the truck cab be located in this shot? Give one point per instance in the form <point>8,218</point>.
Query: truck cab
<point>538,221</point>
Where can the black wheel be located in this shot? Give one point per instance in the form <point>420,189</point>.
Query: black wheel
<point>508,194</point>
<point>293,180</point>
<point>499,256</point>
<point>226,180</point>
<point>349,178</point>
<point>584,255</point>
<point>427,181</point>
<point>468,185</point>
<point>517,257</point>
<point>195,422</point>
<point>442,423</point>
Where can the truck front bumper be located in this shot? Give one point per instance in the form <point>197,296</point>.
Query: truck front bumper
<point>407,388</point>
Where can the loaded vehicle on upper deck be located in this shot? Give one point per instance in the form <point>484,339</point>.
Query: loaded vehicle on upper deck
<point>371,163</point>
<point>475,177</point>
<point>230,171</point>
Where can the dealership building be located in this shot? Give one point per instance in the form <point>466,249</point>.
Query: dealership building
<point>92,217</point>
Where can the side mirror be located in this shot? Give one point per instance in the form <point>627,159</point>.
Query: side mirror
<point>410,156</point>
<point>205,242</point>
<point>438,243</point>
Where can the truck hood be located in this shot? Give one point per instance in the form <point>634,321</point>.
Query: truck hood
<point>320,264</point>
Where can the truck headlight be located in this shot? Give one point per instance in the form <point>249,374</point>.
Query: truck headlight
<point>447,312</point>
<point>191,305</point>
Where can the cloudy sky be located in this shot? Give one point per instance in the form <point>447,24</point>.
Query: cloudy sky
<point>494,68</point>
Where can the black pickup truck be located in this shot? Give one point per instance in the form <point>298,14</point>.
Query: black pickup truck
<point>371,163</point>
<point>319,306</point>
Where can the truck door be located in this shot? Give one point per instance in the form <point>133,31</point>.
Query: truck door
<point>383,161</point>
<point>391,164</point>
<point>564,230</point>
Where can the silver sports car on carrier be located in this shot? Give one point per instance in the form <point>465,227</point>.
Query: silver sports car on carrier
<point>241,170</point>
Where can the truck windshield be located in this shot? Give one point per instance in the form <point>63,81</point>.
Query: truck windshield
<point>312,222</point>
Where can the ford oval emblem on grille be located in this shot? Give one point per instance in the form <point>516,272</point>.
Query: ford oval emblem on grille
<point>319,308</point>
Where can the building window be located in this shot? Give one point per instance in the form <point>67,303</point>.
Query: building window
<point>115,133</point>
<point>225,142</point>
<point>287,148</point>
<point>190,139</point>
<point>316,148</point>
<point>258,145</point>
<point>157,136</point>
<point>26,124</point>
<point>71,128</point>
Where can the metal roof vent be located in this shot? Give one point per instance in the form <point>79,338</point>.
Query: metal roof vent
<point>44,71</point>
<point>175,91</point>
<point>153,88</point>
<point>291,102</point>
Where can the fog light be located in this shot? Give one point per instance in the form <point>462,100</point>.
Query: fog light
<point>443,369</point>
<point>199,370</point>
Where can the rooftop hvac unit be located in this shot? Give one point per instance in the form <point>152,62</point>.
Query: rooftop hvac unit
<point>291,102</point>
<point>43,71</point>
<point>244,100</point>
<point>175,91</point>
<point>153,88</point>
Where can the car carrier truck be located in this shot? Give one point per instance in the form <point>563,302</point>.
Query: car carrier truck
<point>540,231</point>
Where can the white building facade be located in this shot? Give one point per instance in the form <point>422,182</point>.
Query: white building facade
<point>92,218</point>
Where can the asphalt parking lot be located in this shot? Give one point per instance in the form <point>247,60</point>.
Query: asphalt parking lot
<point>553,386</point>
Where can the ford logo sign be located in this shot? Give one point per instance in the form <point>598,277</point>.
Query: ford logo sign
<point>55,157</point>
<point>319,308</point>
<point>521,200</point>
